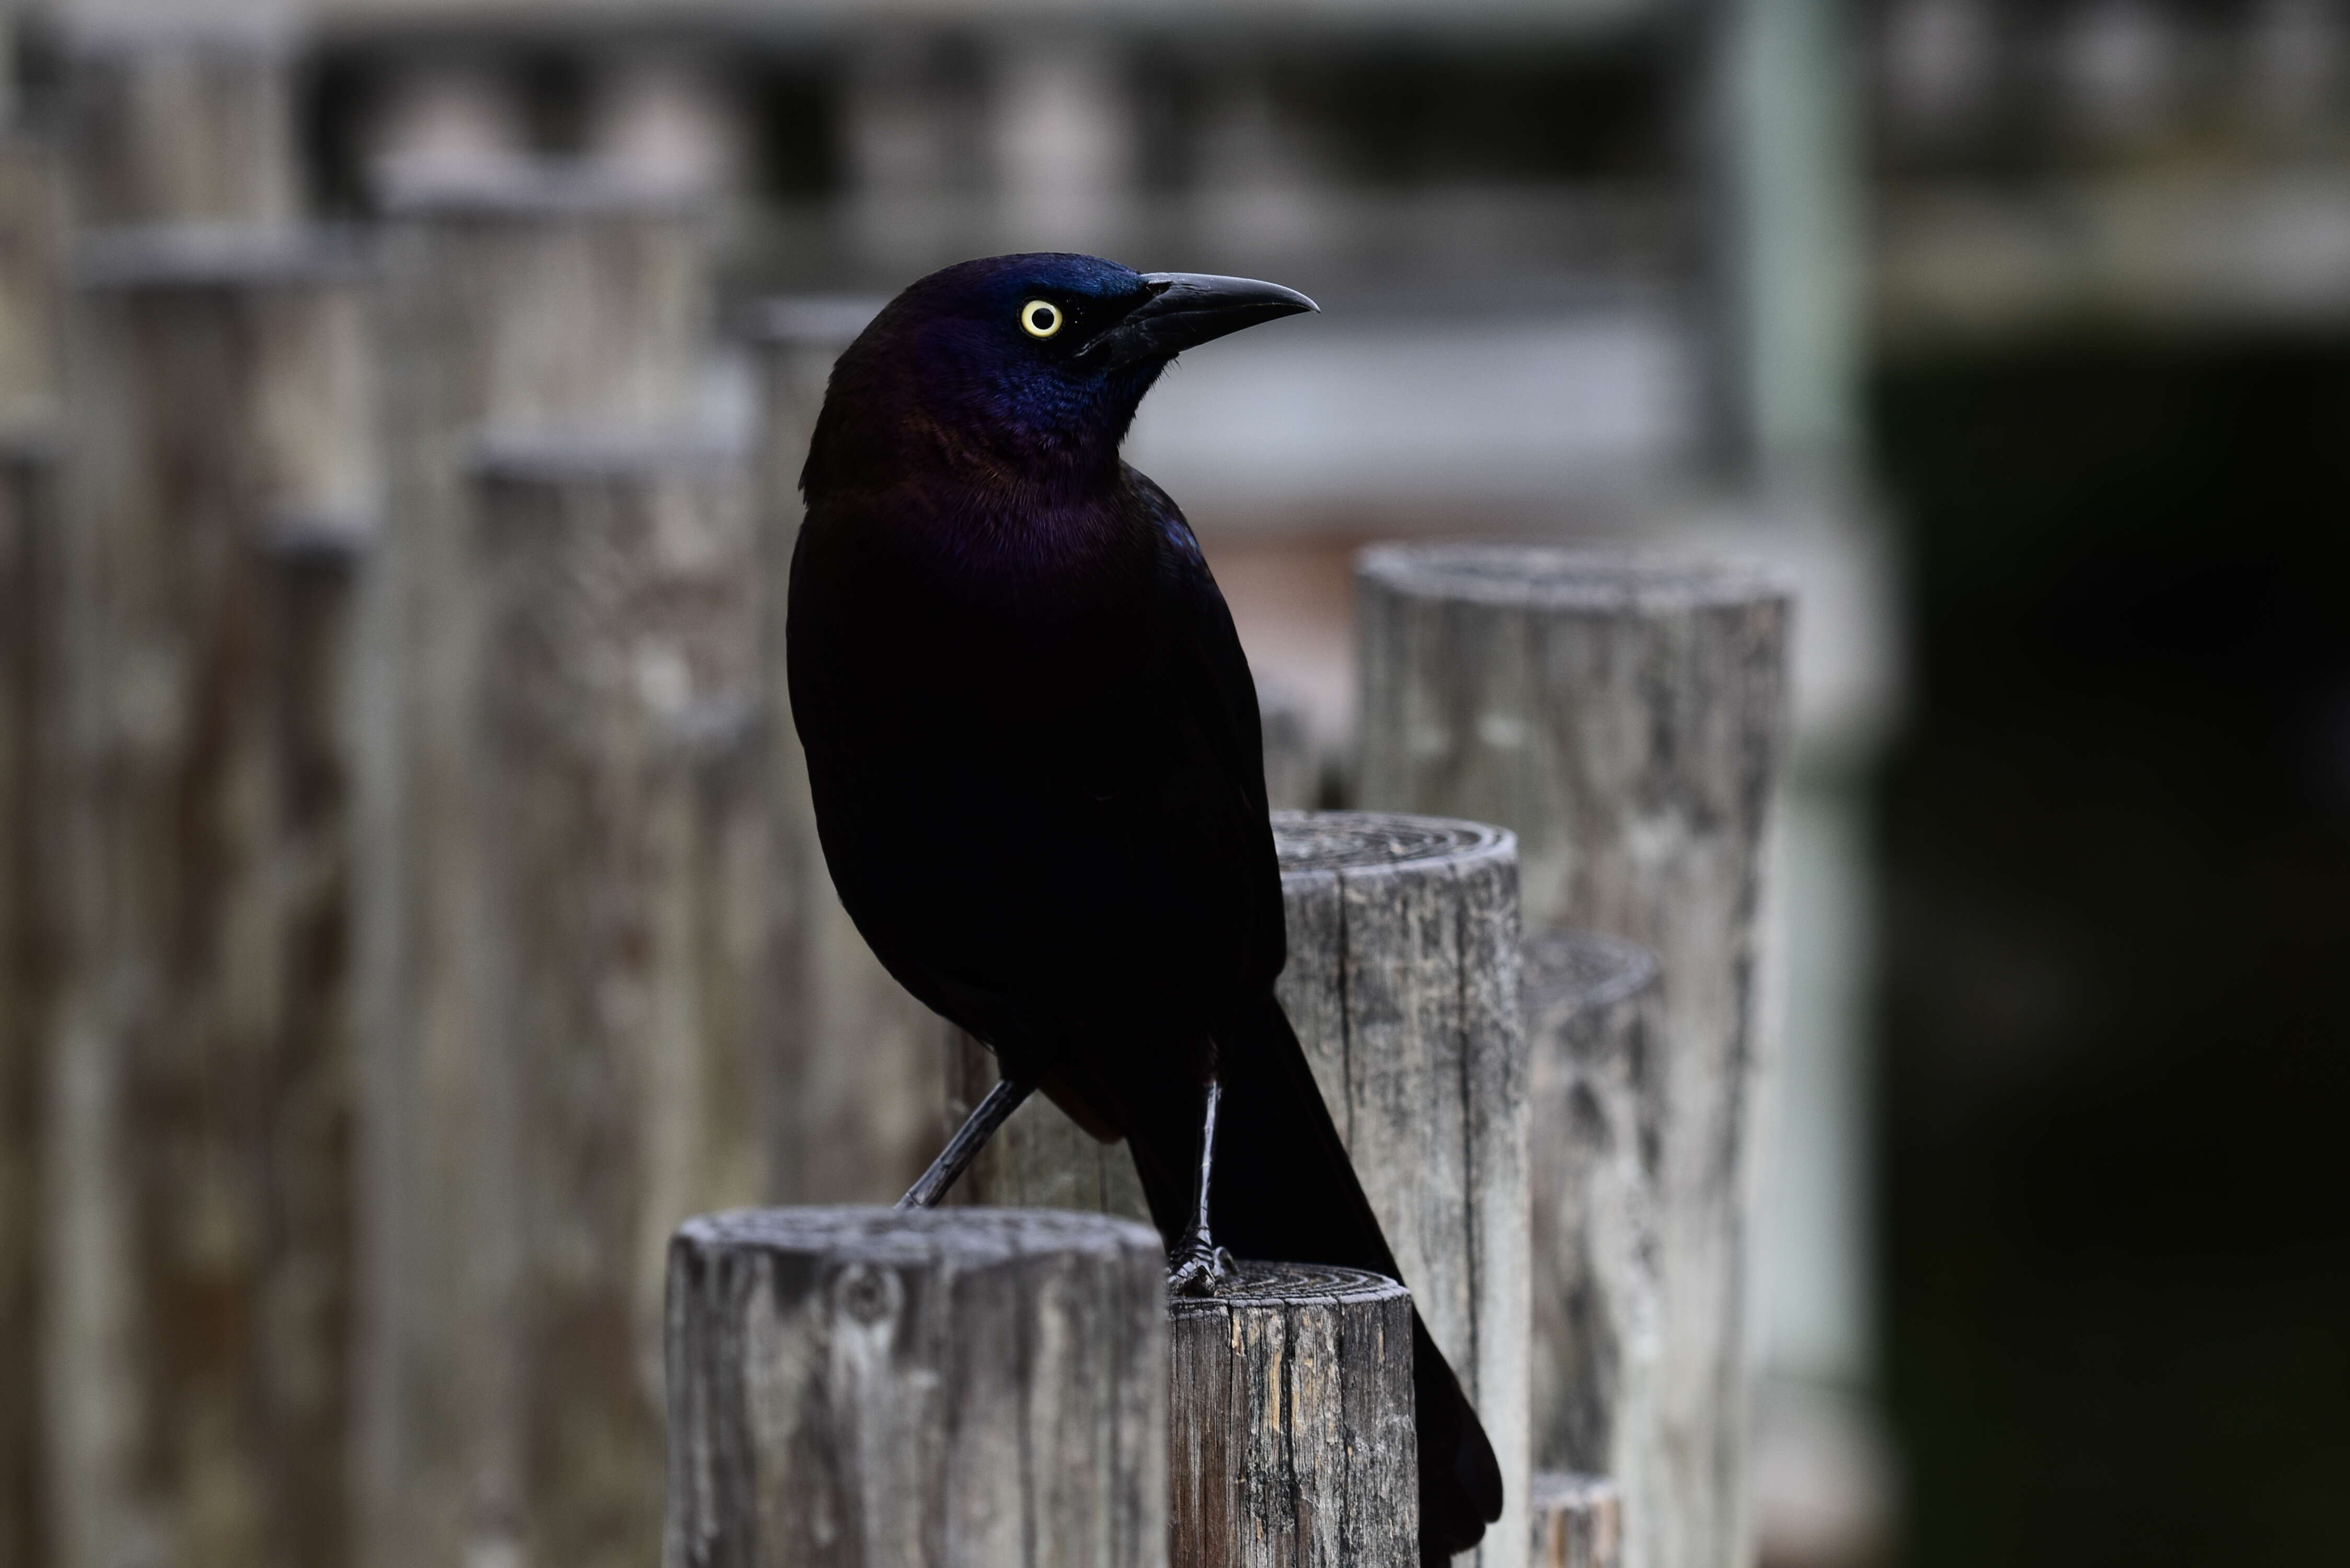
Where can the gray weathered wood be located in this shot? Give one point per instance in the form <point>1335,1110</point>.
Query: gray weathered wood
<point>196,1181</point>
<point>859,1064</point>
<point>1290,1412</point>
<point>1597,1115</point>
<point>1403,986</point>
<point>531,308</point>
<point>181,119</point>
<point>961,1388</point>
<point>1578,1520</point>
<point>1624,715</point>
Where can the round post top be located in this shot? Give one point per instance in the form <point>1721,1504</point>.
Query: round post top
<point>1571,972</point>
<point>965,1238</point>
<point>1565,577</point>
<point>1312,843</point>
<point>1256,1284</point>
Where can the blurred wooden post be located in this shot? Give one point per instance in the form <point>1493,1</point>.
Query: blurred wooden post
<point>618,620</point>
<point>1403,987</point>
<point>1578,1520</point>
<point>518,306</point>
<point>182,119</point>
<point>859,1064</point>
<point>1290,1421</point>
<point>1596,1100</point>
<point>31,304</point>
<point>220,488</point>
<point>1624,715</point>
<point>963,1388</point>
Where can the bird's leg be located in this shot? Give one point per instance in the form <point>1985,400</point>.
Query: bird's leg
<point>1197,1263</point>
<point>969,1139</point>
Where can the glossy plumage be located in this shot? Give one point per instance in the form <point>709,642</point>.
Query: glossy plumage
<point>1032,743</point>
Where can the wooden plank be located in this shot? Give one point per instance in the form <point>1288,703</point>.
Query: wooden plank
<point>1290,1410</point>
<point>1624,715</point>
<point>965,1388</point>
<point>197,1183</point>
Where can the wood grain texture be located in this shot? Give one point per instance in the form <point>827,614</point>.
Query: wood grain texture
<point>1290,1412</point>
<point>957,1388</point>
<point>1625,714</point>
<point>860,1065</point>
<point>1595,1159</point>
<point>181,119</point>
<point>1578,1520</point>
<point>196,1181</point>
<point>1403,984</point>
<point>567,312</point>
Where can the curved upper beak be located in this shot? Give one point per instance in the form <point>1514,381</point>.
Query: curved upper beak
<point>1189,309</point>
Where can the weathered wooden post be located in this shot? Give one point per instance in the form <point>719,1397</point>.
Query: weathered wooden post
<point>521,1170</point>
<point>1291,1406</point>
<point>965,1388</point>
<point>1403,986</point>
<point>219,490</point>
<point>182,119</point>
<point>1623,715</point>
<point>1597,1105</point>
<point>30,361</point>
<point>1579,1522</point>
<point>617,619</point>
<point>1597,1097</point>
<point>858,1060</point>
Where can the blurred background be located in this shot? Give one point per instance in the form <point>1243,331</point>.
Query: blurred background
<point>2020,331</point>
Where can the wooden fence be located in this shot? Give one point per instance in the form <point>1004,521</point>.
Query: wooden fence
<point>410,914</point>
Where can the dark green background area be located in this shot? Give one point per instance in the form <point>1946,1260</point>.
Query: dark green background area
<point>2116,993</point>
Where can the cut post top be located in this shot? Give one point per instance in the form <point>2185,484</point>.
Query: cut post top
<point>913,1236</point>
<point>1250,1283</point>
<point>1570,973</point>
<point>1562,577</point>
<point>1309,842</point>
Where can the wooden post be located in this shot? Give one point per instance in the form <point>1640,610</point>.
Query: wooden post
<point>1578,1520</point>
<point>1403,986</point>
<point>197,1183</point>
<point>31,303</point>
<point>859,1063</point>
<point>1290,1421</point>
<point>183,119</point>
<point>1624,715</point>
<point>1596,1099</point>
<point>964,1388</point>
<point>617,620</point>
<point>528,307</point>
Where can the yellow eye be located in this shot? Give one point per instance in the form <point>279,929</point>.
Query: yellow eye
<point>1041,317</point>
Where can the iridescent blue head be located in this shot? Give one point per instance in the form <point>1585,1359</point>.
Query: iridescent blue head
<point>1019,372</point>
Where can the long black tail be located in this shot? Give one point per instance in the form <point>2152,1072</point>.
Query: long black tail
<point>1284,1192</point>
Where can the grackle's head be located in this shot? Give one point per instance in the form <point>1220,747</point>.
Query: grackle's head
<point>1020,369</point>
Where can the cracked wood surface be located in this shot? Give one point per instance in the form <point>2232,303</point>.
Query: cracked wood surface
<point>952,1388</point>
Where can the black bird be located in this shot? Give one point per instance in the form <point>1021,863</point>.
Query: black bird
<point>1033,747</point>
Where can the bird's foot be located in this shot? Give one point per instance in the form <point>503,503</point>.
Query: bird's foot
<point>1196,1267</point>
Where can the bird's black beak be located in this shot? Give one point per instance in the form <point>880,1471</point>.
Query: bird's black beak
<point>1187,308</point>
